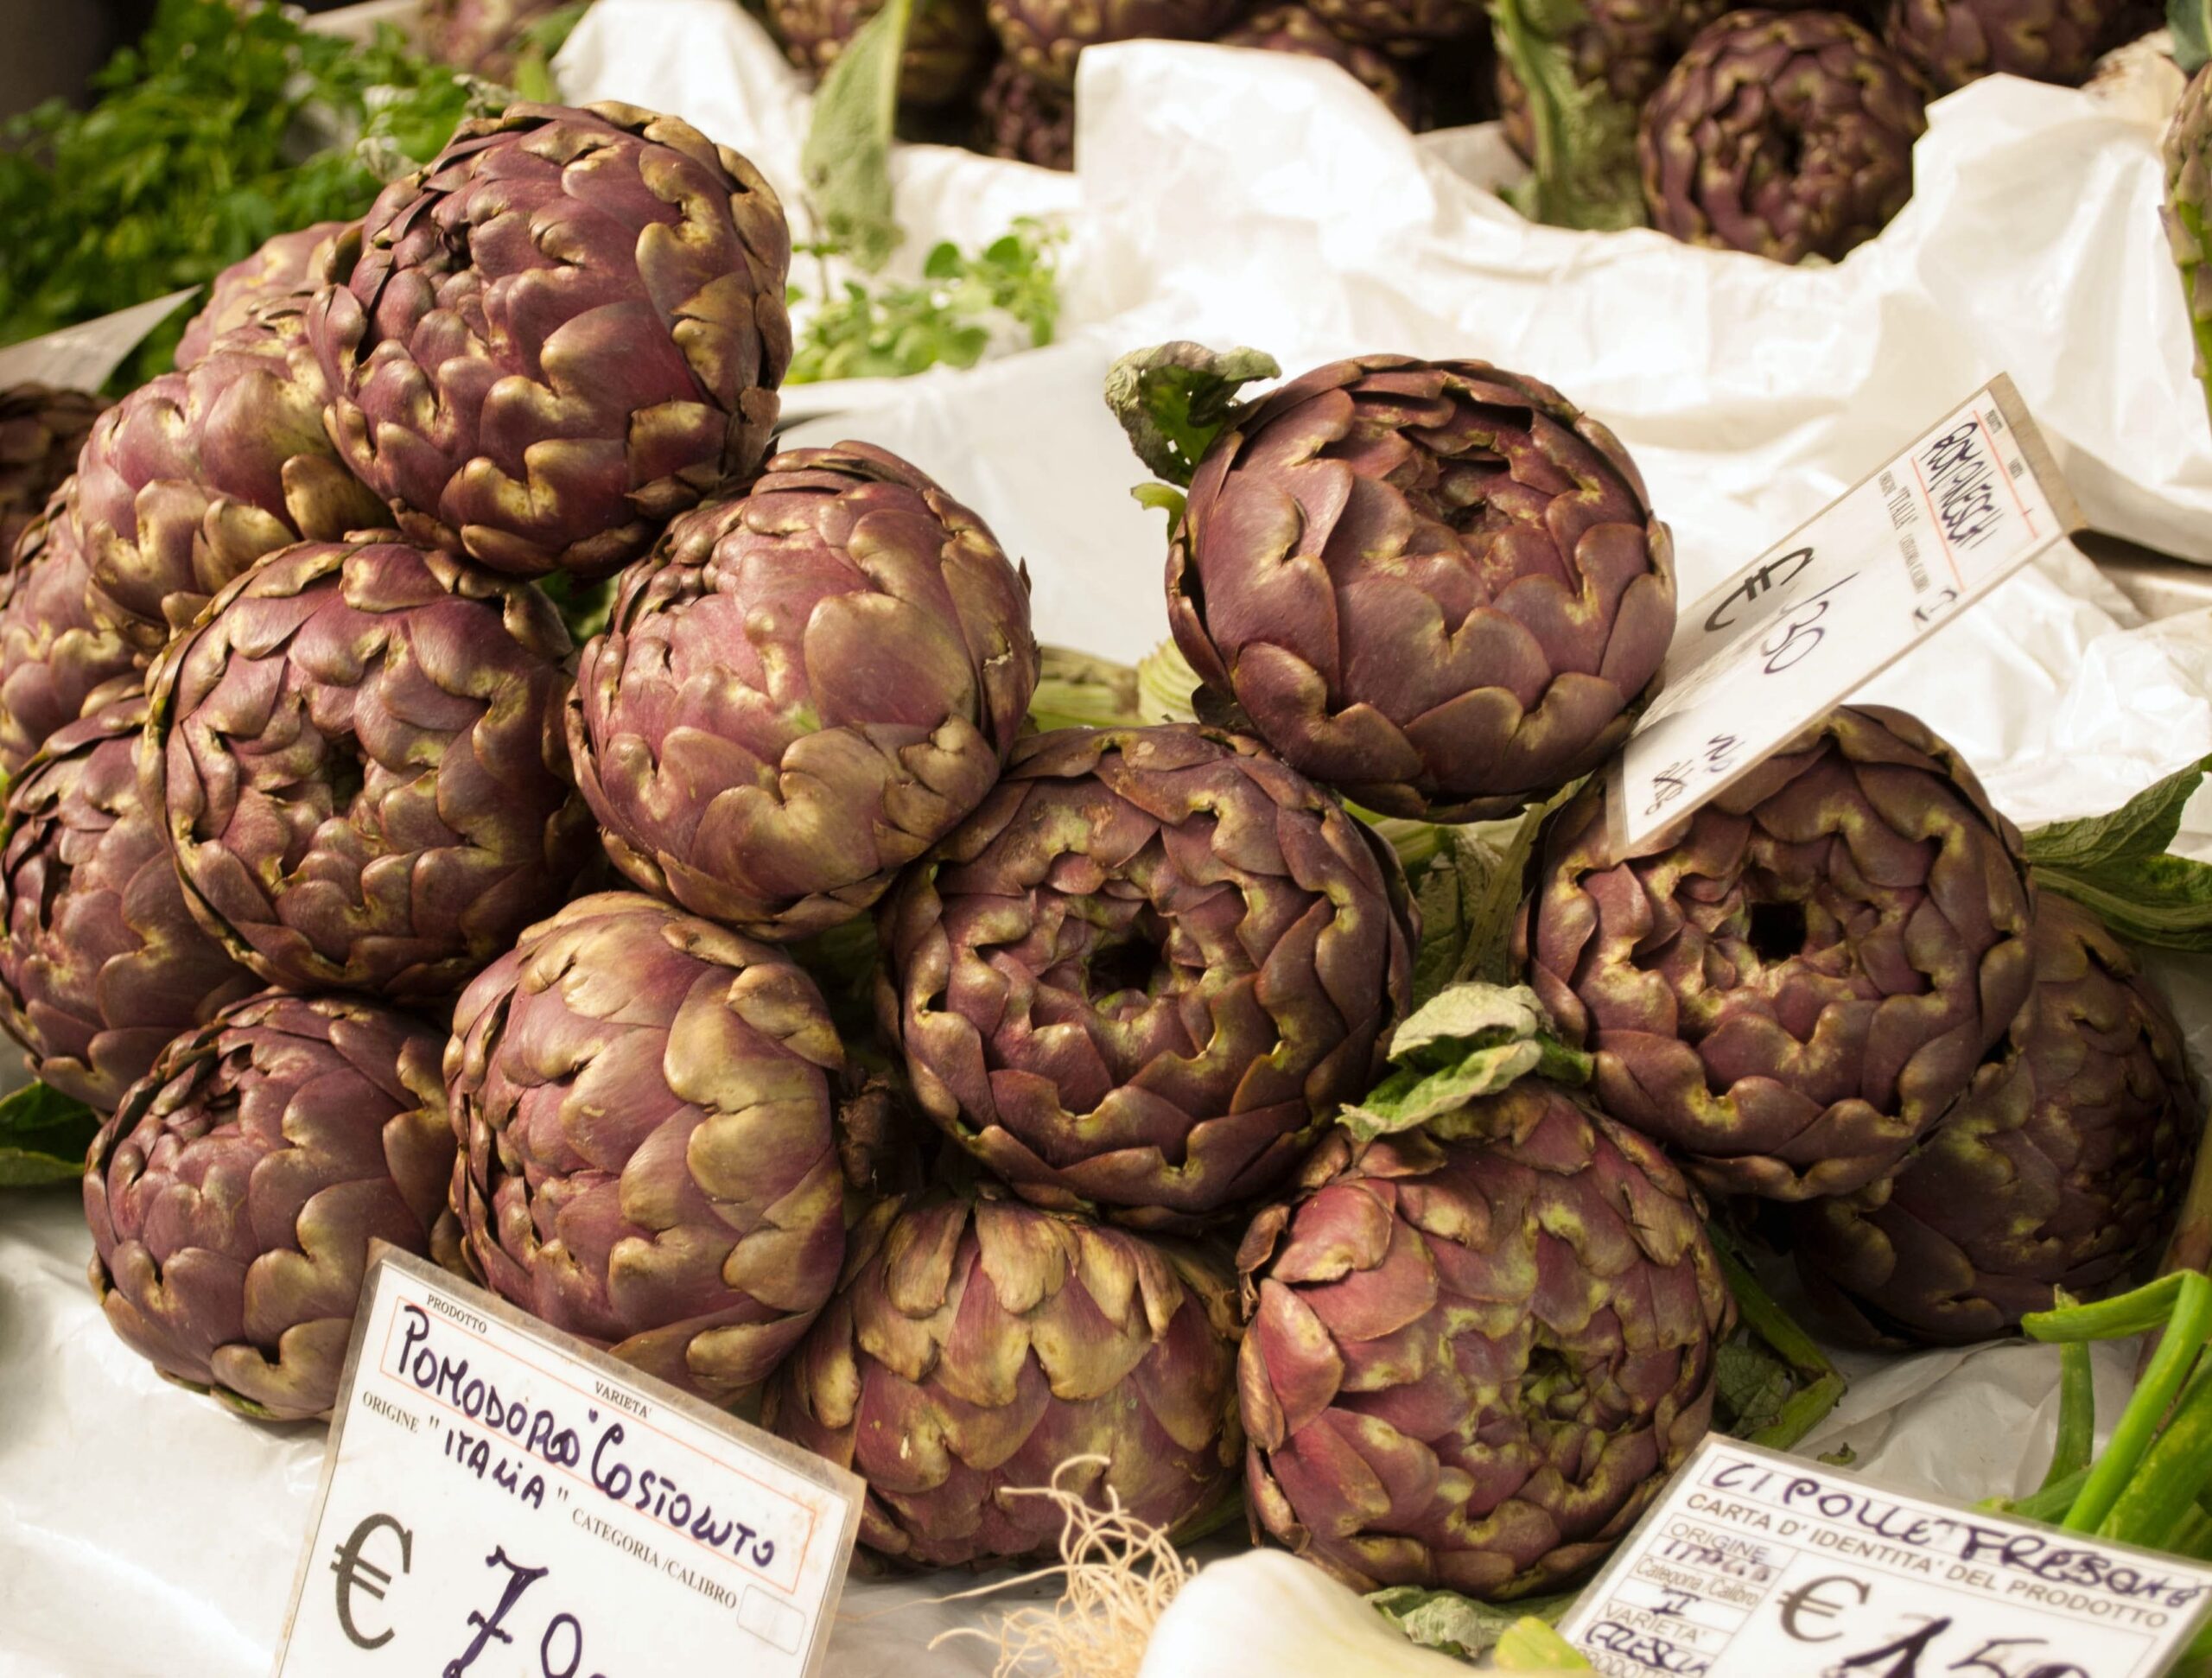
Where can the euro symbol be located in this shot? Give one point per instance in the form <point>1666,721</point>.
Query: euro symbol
<point>1805,1599</point>
<point>355,1574</point>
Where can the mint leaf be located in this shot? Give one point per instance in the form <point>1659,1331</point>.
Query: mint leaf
<point>43,1137</point>
<point>2118,866</point>
<point>1174,399</point>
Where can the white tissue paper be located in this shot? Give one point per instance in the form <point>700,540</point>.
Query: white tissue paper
<point>1247,198</point>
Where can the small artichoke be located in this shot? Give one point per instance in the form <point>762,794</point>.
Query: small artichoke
<point>974,1347</point>
<point>191,478</point>
<point>1791,987</point>
<point>1028,120</point>
<point>2061,1166</point>
<point>802,689</point>
<point>1436,587</point>
<point>1045,37</point>
<point>282,268</point>
<point>947,42</point>
<point>1471,1363</point>
<point>41,430</point>
<point>566,330</point>
<point>1299,28</point>
<point>1785,133</point>
<point>58,645</point>
<point>1147,972</point>
<point>359,768</point>
<point>102,963</point>
<point>644,1102</point>
<point>1952,42</point>
<point>480,36</point>
<point>1405,26</point>
<point>234,1195</point>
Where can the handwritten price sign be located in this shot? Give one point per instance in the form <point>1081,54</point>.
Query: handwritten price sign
<point>1756,1564</point>
<point>1777,645</point>
<point>500,1501</point>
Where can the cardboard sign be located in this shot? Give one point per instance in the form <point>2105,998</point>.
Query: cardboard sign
<point>1756,1565</point>
<point>501,1501</point>
<point>1789,638</point>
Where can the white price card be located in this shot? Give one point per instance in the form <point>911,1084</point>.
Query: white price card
<point>501,1501</point>
<point>1776,647</point>
<point>1756,1565</point>
<point>81,356</point>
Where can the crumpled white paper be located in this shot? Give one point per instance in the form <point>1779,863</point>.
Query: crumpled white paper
<point>1238,197</point>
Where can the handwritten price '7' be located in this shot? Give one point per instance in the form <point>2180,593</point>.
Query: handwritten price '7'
<point>1793,638</point>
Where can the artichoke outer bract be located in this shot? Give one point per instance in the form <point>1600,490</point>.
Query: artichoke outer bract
<point>1952,42</point>
<point>41,430</point>
<point>191,479</point>
<point>234,1195</point>
<point>59,647</point>
<point>1788,135</point>
<point>974,1347</point>
<point>1028,120</point>
<point>801,690</point>
<point>358,761</point>
<point>1046,38</point>
<point>1792,987</point>
<point>947,42</point>
<point>1436,587</point>
<point>282,268</point>
<point>1472,1363</point>
<point>1299,28</point>
<point>566,329</point>
<point>102,963</point>
<point>1147,972</point>
<point>644,1103</point>
<point>2060,1168</point>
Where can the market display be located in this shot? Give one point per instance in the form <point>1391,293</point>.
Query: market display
<point>472,785</point>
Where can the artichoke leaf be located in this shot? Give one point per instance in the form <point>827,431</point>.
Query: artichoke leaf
<point>1585,173</point>
<point>846,162</point>
<point>1174,399</point>
<point>2119,865</point>
<point>43,1137</point>
<point>1509,1633</point>
<point>1467,1041</point>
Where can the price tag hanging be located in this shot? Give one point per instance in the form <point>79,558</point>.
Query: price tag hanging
<point>501,1501</point>
<point>1793,635</point>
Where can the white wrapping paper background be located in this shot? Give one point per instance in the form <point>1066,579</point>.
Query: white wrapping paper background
<point>1247,198</point>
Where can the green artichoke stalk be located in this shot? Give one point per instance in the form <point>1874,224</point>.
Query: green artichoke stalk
<point>1475,1352</point>
<point>1147,972</point>
<point>566,329</point>
<point>1026,119</point>
<point>1300,29</point>
<point>234,1195</point>
<point>1788,135</point>
<point>802,689</point>
<point>975,1346</point>
<point>947,42</point>
<point>284,267</point>
<point>1045,37</point>
<point>1952,42</point>
<point>1793,986</point>
<point>644,1102</point>
<point>2189,189</point>
<point>41,430</point>
<point>357,758</point>
<point>2060,1168</point>
<point>1436,587</point>
<point>102,964</point>
<point>59,647</point>
<point>191,479</point>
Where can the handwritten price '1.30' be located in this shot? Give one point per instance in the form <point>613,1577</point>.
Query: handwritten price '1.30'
<point>1790,641</point>
<point>1962,482</point>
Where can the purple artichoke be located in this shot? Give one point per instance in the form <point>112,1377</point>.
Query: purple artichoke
<point>102,963</point>
<point>58,646</point>
<point>480,36</point>
<point>1299,28</point>
<point>974,1347</point>
<point>1045,37</point>
<point>360,769</point>
<point>1403,26</point>
<point>1147,972</point>
<point>41,430</point>
<point>566,330</point>
<point>947,42</point>
<point>1791,987</point>
<point>1952,42</point>
<point>190,479</point>
<point>233,1196</point>
<point>1471,1363</point>
<point>1436,587</point>
<point>801,690</point>
<point>284,267</point>
<point>1028,120</point>
<point>1785,133</point>
<point>644,1102</point>
<point>2061,1166</point>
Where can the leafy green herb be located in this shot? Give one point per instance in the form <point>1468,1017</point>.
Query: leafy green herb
<point>223,127</point>
<point>961,305</point>
<point>2118,866</point>
<point>43,1136</point>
